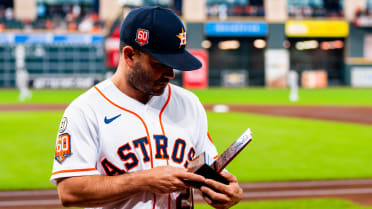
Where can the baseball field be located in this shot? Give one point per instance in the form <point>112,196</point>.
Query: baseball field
<point>283,148</point>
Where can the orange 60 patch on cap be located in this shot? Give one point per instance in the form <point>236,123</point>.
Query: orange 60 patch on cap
<point>142,37</point>
<point>63,147</point>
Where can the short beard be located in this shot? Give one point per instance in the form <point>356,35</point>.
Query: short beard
<point>141,81</point>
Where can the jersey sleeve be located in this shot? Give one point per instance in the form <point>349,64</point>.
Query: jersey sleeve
<point>76,145</point>
<point>203,141</point>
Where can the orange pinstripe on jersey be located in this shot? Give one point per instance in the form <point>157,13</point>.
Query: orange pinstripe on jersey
<point>144,124</point>
<point>74,170</point>
<point>139,117</point>
<point>162,128</point>
<point>209,137</point>
<point>161,113</point>
<point>162,110</point>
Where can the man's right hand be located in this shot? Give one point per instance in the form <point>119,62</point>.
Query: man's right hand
<point>99,190</point>
<point>167,179</point>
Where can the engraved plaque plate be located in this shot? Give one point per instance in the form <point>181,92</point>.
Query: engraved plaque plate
<point>223,160</point>
<point>201,164</point>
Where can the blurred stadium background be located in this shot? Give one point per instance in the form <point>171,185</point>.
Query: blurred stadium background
<point>250,45</point>
<point>74,43</point>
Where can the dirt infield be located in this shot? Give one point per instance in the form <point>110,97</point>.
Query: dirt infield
<point>357,190</point>
<point>32,107</point>
<point>361,115</point>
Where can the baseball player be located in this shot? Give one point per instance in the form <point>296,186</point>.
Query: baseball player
<point>127,142</point>
<point>21,75</point>
<point>293,86</point>
<point>22,79</point>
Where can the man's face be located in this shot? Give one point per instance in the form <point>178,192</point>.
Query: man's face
<point>149,76</point>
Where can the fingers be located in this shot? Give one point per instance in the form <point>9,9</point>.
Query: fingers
<point>216,185</point>
<point>231,190</point>
<point>166,179</point>
<point>213,203</point>
<point>188,176</point>
<point>213,196</point>
<point>177,186</point>
<point>229,176</point>
<point>207,199</point>
<point>220,195</point>
<point>216,205</point>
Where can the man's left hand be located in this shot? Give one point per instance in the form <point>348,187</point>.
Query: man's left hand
<point>227,196</point>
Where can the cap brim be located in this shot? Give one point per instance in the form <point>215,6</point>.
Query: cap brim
<point>183,61</point>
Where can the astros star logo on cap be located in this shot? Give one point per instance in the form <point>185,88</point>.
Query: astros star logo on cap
<point>182,37</point>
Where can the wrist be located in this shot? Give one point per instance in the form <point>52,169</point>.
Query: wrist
<point>140,181</point>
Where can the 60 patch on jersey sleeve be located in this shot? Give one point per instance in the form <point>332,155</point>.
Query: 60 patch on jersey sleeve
<point>63,147</point>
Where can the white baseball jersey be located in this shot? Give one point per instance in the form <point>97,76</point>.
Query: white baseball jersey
<point>106,132</point>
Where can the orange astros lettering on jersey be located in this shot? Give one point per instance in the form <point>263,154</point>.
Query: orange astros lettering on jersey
<point>63,147</point>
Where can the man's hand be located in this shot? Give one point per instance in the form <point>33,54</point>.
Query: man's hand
<point>227,196</point>
<point>99,190</point>
<point>167,179</point>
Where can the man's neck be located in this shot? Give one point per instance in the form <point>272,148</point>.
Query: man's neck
<point>123,86</point>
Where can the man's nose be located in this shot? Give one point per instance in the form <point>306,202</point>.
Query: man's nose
<point>169,73</point>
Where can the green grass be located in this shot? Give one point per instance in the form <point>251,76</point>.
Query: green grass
<point>27,149</point>
<point>329,96</point>
<point>294,204</point>
<point>10,96</point>
<point>294,149</point>
<point>282,148</point>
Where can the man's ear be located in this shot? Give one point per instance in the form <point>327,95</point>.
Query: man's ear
<point>128,55</point>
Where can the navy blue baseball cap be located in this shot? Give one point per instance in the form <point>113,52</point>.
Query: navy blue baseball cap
<point>161,33</point>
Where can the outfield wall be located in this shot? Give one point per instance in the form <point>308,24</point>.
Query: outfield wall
<point>52,60</point>
<point>73,60</point>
